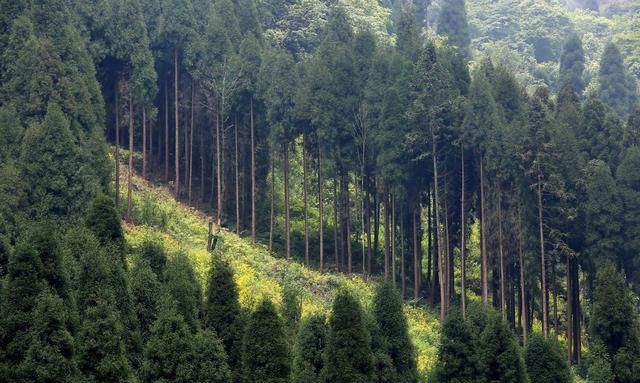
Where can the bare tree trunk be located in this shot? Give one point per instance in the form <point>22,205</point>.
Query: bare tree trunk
<point>219,163</point>
<point>483,235</point>
<point>387,236</point>
<point>191,140</point>
<point>320,209</point>
<point>129,173</point>
<point>523,297</point>
<point>577,331</point>
<point>555,297</point>
<point>335,223</point>
<point>463,238</point>
<point>117,145</point>
<point>545,323</point>
<point>175,103</point>
<point>347,210</point>
<point>368,234</point>
<point>202,162</point>
<point>286,201</point>
<point>237,175</point>
<point>166,130</point>
<point>416,264</point>
<point>430,274</point>
<point>569,312</point>
<point>503,303</point>
<point>253,179</point>
<point>403,278</point>
<point>151,159</point>
<point>273,198</point>
<point>306,202</point>
<point>144,143</point>
<point>393,240</point>
<point>448,271</point>
<point>441,261</point>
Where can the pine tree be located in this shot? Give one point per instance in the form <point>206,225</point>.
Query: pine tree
<point>101,344</point>
<point>182,284</point>
<point>209,360</point>
<point>144,292</point>
<point>500,354</point>
<point>545,361</point>
<point>265,352</point>
<point>152,251</point>
<point>600,136</point>
<point>632,134</point>
<point>629,186</point>
<point>572,63</point>
<point>222,310</point>
<point>388,311</point>
<point>308,359</point>
<point>617,87</point>
<point>458,356</point>
<point>348,356</point>
<point>50,356</point>
<point>453,24</point>
<point>103,220</point>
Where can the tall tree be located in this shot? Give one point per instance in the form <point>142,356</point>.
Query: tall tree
<point>453,23</point>
<point>629,189</point>
<point>545,362</point>
<point>572,63</point>
<point>308,360</point>
<point>617,87</point>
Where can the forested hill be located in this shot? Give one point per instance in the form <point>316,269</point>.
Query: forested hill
<point>475,159</point>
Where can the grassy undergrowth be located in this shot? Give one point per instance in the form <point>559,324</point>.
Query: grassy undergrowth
<point>183,229</point>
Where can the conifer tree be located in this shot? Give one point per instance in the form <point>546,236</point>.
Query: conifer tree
<point>154,254</point>
<point>629,187</point>
<point>265,351</point>
<point>222,310</point>
<point>453,24</point>
<point>51,355</point>
<point>572,64</point>
<point>308,359</point>
<point>500,355</point>
<point>144,292</point>
<point>458,356</point>
<point>182,284</point>
<point>102,218</point>
<point>348,356</point>
<point>209,359</point>
<point>388,311</point>
<point>632,134</point>
<point>617,87</point>
<point>545,361</point>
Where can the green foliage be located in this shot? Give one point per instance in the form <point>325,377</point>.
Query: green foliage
<point>222,310</point>
<point>393,326</point>
<point>209,359</point>
<point>452,22</point>
<point>183,286</point>
<point>308,359</point>
<point>458,359</point>
<point>265,351</point>
<point>572,63</point>
<point>101,344</point>
<point>599,364</point>
<point>617,88</point>
<point>545,361</point>
<point>102,218</point>
<point>50,356</point>
<point>349,358</point>
<point>144,292</point>
<point>291,309</point>
<point>601,134</point>
<point>629,188</point>
<point>152,251</point>
<point>500,355</point>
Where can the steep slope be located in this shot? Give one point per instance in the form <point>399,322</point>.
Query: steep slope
<point>184,229</point>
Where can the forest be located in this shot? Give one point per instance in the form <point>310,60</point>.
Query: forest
<point>396,191</point>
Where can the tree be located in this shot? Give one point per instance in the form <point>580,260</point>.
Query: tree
<point>348,356</point>
<point>458,356</point>
<point>617,88</point>
<point>144,292</point>
<point>308,359</point>
<point>152,251</point>
<point>102,219</point>
<point>265,352</point>
<point>601,134</point>
<point>222,310</point>
<point>545,361</point>
<point>183,286</point>
<point>209,360</point>
<point>572,63</point>
<point>453,24</point>
<point>632,134</point>
<point>500,355</point>
<point>50,356</point>
<point>629,189</point>
<point>101,344</point>
<point>388,311</point>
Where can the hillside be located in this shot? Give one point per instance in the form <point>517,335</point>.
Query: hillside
<point>258,275</point>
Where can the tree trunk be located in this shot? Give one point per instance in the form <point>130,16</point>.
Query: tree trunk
<point>503,308</point>
<point>393,240</point>
<point>219,164</point>
<point>484,271</point>
<point>320,209</point>
<point>237,175</point>
<point>347,210</point>
<point>191,140</point>
<point>253,178</point>
<point>569,312</point>
<point>144,144</point>
<point>441,261</point>
<point>403,279</point>
<point>376,218</point>
<point>335,223</point>
<point>202,162</point>
<point>523,298</point>
<point>387,236</point>
<point>368,235</point>
<point>545,323</point>
<point>555,297</point>
<point>577,332</point>
<point>286,201</point>
<point>306,202</point>
<point>175,110</point>
<point>463,237</point>
<point>166,130</point>
<point>117,145</point>
<point>448,270</point>
<point>130,170</point>
<point>273,198</point>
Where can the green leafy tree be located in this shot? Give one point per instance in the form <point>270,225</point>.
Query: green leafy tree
<point>458,356</point>
<point>308,359</point>
<point>572,63</point>
<point>545,361</point>
<point>102,218</point>
<point>453,24</point>
<point>222,310</point>
<point>209,360</point>
<point>599,364</point>
<point>629,188</point>
<point>601,134</point>
<point>632,134</point>
<point>500,354</point>
<point>265,352</point>
<point>388,312</point>
<point>144,292</point>
<point>51,355</point>
<point>348,356</point>
<point>617,88</point>
<point>152,251</point>
<point>182,284</point>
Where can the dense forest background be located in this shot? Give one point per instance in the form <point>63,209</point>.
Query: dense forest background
<point>479,160</point>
